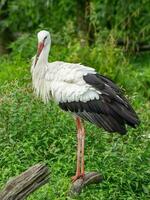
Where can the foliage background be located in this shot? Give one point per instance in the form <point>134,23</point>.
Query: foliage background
<point>89,32</point>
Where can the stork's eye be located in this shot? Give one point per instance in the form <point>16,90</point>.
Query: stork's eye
<point>45,37</point>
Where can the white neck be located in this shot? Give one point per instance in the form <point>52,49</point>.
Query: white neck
<point>38,72</point>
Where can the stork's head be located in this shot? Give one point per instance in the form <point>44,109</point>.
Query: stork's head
<point>44,40</point>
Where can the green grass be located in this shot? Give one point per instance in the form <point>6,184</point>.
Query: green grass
<point>31,132</point>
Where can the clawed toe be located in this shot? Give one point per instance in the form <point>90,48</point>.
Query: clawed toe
<point>74,178</point>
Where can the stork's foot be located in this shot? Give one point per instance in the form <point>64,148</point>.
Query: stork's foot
<point>77,176</point>
<point>74,178</point>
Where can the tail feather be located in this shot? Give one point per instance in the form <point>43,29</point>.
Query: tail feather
<point>109,123</point>
<point>128,115</point>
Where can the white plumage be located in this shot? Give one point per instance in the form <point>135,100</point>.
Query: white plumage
<point>62,81</point>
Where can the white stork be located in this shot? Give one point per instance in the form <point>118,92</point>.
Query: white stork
<point>83,92</point>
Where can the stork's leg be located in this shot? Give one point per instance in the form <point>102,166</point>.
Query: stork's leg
<point>82,149</point>
<point>79,149</point>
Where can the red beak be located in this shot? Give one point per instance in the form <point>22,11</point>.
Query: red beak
<point>39,50</point>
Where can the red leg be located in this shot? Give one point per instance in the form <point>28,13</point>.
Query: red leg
<point>80,150</point>
<point>79,146</point>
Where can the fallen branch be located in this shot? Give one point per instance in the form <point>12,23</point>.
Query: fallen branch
<point>18,188</point>
<point>79,184</point>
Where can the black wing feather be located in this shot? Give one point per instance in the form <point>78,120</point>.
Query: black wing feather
<point>112,111</point>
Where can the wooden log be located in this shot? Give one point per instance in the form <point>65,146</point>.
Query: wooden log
<point>18,188</point>
<point>79,184</point>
